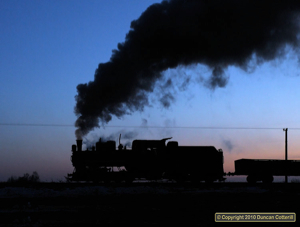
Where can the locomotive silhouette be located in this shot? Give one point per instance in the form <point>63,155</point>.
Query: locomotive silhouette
<point>148,159</point>
<point>155,160</point>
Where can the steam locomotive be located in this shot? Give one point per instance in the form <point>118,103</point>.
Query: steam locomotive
<point>154,160</point>
<point>148,159</point>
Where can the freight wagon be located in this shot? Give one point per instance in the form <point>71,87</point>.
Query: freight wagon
<point>264,169</point>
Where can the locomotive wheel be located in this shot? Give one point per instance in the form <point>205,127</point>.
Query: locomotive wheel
<point>195,181</point>
<point>179,179</point>
<point>268,179</point>
<point>251,179</point>
<point>209,180</point>
<point>129,180</point>
<point>106,181</point>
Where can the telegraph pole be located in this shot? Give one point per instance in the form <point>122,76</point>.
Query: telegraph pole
<point>286,154</point>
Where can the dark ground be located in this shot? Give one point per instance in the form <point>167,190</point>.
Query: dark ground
<point>191,206</point>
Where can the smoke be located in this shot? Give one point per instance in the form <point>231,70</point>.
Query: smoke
<point>217,79</point>
<point>216,33</point>
<point>144,122</point>
<point>126,138</point>
<point>228,145</point>
<point>166,96</point>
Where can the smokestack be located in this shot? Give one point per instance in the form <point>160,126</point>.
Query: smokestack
<point>79,145</point>
<point>215,33</point>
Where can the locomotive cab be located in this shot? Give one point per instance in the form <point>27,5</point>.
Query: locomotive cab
<point>147,159</point>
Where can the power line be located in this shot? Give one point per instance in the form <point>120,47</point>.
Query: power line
<point>161,127</point>
<point>39,125</point>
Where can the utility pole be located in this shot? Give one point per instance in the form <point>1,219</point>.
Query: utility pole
<point>286,154</point>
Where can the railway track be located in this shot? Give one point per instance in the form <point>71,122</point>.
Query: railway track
<point>188,185</point>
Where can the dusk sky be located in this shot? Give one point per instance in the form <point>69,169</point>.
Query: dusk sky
<point>49,47</point>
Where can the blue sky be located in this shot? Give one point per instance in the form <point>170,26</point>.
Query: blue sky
<point>49,47</point>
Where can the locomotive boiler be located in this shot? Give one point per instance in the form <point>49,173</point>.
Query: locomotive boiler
<point>148,159</point>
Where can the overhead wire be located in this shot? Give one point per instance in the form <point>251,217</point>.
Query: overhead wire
<point>146,126</point>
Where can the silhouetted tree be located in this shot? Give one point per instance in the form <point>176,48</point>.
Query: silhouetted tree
<point>26,178</point>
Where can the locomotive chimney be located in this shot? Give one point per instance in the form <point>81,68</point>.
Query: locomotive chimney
<point>79,145</point>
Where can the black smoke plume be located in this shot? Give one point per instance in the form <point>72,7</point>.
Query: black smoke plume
<point>216,33</point>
